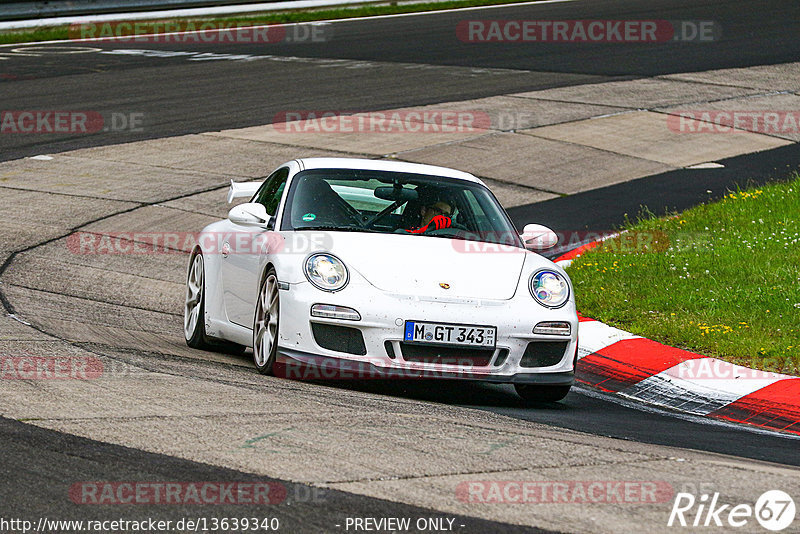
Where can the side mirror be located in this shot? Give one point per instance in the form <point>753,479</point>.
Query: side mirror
<point>249,214</point>
<point>538,237</point>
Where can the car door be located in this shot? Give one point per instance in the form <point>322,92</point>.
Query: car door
<point>240,254</point>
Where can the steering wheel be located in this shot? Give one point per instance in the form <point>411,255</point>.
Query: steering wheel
<point>453,229</point>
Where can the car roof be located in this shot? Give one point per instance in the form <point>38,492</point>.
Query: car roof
<point>385,165</point>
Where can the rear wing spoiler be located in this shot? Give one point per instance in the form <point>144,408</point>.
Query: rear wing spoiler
<point>242,189</point>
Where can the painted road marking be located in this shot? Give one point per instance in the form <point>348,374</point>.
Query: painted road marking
<point>211,56</point>
<point>163,14</point>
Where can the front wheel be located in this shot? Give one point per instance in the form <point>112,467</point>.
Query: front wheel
<point>532,393</point>
<point>265,324</point>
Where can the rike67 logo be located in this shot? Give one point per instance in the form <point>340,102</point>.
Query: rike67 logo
<point>774,510</point>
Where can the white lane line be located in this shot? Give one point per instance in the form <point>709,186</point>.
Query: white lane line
<point>175,13</point>
<point>18,319</point>
<point>474,8</point>
<point>204,32</point>
<point>161,15</point>
<point>451,70</point>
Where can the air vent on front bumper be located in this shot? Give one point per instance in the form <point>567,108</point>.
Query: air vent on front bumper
<point>543,353</point>
<point>339,338</point>
<point>502,356</point>
<point>446,355</point>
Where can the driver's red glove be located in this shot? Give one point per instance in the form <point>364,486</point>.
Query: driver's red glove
<point>437,223</point>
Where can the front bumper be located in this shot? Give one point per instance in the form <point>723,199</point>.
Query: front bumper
<point>299,365</point>
<point>382,324</point>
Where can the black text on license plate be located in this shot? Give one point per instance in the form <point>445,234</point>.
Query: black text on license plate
<point>450,334</point>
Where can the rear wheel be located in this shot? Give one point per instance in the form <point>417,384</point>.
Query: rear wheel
<point>265,324</point>
<point>535,393</point>
<point>194,328</point>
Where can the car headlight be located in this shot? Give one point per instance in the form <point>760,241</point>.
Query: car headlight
<point>549,288</point>
<point>326,271</point>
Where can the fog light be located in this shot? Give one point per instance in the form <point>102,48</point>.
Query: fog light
<point>553,328</point>
<point>330,311</point>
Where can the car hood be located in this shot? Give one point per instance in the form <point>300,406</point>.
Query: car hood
<point>421,265</point>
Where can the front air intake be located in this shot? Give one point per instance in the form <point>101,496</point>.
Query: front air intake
<point>339,338</point>
<point>543,353</point>
<point>462,356</point>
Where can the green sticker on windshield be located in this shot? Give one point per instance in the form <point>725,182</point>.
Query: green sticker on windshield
<point>309,217</point>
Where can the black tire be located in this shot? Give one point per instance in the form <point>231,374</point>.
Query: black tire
<point>533,393</point>
<point>266,323</point>
<point>195,334</point>
<point>194,310</point>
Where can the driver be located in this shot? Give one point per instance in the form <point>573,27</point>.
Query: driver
<point>434,215</point>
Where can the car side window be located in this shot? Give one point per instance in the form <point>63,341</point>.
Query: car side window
<point>270,193</point>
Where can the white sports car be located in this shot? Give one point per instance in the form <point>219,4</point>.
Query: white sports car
<point>364,268</point>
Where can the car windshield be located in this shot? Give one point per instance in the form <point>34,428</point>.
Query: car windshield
<point>393,202</point>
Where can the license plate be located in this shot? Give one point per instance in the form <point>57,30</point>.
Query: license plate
<point>450,334</point>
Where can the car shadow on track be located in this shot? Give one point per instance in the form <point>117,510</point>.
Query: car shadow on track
<point>451,392</point>
<point>467,393</point>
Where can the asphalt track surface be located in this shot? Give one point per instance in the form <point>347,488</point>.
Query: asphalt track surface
<point>605,415</point>
<point>30,490</point>
<point>604,209</point>
<point>187,97</point>
<point>181,95</point>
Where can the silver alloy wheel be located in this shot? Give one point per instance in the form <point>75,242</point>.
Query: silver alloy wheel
<point>265,331</point>
<point>194,297</point>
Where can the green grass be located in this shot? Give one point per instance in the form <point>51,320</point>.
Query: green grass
<point>721,279</point>
<point>62,32</point>
<point>38,34</point>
